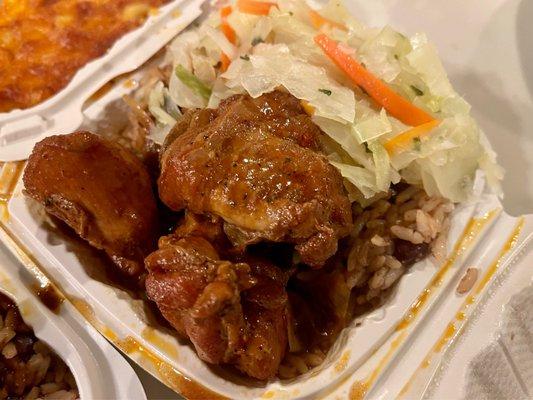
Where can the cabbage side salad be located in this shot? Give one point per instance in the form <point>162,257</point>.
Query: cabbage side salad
<point>382,99</point>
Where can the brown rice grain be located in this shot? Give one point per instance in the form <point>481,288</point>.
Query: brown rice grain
<point>392,262</point>
<point>376,224</point>
<point>33,393</point>
<point>426,225</point>
<point>410,215</point>
<point>378,262</point>
<point>407,206</point>
<point>467,281</point>
<point>406,194</point>
<point>379,241</point>
<point>392,276</point>
<point>6,334</point>
<point>298,363</point>
<point>60,371</point>
<point>378,279</point>
<point>430,204</point>
<point>62,395</point>
<point>9,351</point>
<point>47,388</point>
<point>286,372</point>
<point>9,320</point>
<point>392,215</point>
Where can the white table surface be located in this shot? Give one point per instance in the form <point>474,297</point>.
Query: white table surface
<point>487,48</point>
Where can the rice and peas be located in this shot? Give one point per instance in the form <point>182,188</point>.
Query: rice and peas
<point>403,173</point>
<point>29,369</point>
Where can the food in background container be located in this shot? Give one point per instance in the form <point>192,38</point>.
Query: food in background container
<point>29,369</point>
<point>44,44</point>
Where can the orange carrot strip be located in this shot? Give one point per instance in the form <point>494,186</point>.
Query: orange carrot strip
<point>225,62</point>
<point>396,105</point>
<point>225,11</point>
<point>226,28</point>
<point>230,34</point>
<point>255,7</point>
<point>319,21</point>
<point>228,31</point>
<point>404,140</point>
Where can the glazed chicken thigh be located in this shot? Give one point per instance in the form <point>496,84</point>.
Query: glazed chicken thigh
<point>256,163</point>
<point>233,312</point>
<point>99,189</point>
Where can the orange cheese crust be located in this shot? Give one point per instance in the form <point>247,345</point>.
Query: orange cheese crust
<point>44,42</point>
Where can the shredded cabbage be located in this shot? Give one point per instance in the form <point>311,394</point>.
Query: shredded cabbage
<point>156,104</point>
<point>272,65</point>
<point>372,127</point>
<point>278,52</point>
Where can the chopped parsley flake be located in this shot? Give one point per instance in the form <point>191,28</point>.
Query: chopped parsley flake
<point>327,92</point>
<point>417,143</point>
<point>257,40</point>
<point>246,57</point>
<point>417,91</point>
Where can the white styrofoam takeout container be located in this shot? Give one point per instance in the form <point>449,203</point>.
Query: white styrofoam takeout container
<point>100,371</point>
<point>380,358</point>
<point>62,113</point>
<point>481,235</point>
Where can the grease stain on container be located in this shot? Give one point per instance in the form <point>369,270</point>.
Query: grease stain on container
<point>172,378</point>
<point>470,232</point>
<point>84,309</point>
<point>49,296</point>
<point>509,244</point>
<point>100,92</point>
<point>445,337</point>
<point>155,338</point>
<point>130,83</point>
<point>343,362</point>
<point>9,176</point>
<point>358,390</point>
<point>268,394</point>
<point>88,314</point>
<point>461,315</point>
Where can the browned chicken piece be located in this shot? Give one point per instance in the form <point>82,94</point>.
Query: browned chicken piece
<point>99,189</point>
<point>257,164</point>
<point>233,312</point>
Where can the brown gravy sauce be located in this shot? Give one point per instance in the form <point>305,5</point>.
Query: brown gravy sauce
<point>49,296</point>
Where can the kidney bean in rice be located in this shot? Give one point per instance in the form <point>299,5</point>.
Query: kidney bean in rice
<point>29,369</point>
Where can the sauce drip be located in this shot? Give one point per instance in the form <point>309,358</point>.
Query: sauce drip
<point>471,231</point>
<point>49,296</point>
<point>453,328</point>
<point>172,378</point>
